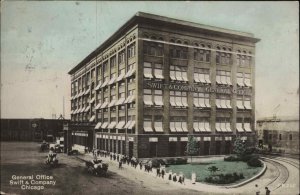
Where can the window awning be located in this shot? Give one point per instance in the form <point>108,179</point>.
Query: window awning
<point>112,103</point>
<point>184,76</point>
<point>105,83</point>
<point>147,100</point>
<point>92,118</point>
<point>158,75</point>
<point>184,127</point>
<point>218,79</point>
<point>223,80</point>
<point>202,78</point>
<point>81,94</point>
<point>178,127</point>
<point>87,109</point>
<point>228,80</point>
<point>196,127</point>
<point>201,127</point>
<point>178,102</point>
<point>184,101</point>
<point>83,109</point>
<point>207,104</point>
<point>228,104</point>
<point>218,127</point>
<point>132,124</point>
<point>75,111</point>
<point>247,105</point>
<point>87,91</point>
<point>98,125</point>
<point>172,101</point>
<point>127,124</point>
<point>112,80</point>
<point>120,125</point>
<point>207,127</point>
<point>202,102</point>
<point>104,105</point>
<point>223,103</point>
<point>247,127</point>
<point>112,125</point>
<point>147,126</point>
<point>172,75</point>
<point>98,106</point>
<point>130,73</point>
<point>196,78</point>
<point>98,86</point>
<point>228,127</point>
<point>178,76</point>
<point>240,82</point>
<point>206,76</point>
<point>172,127</point>
<point>158,127</point>
<point>158,101</point>
<point>247,82</point>
<point>223,127</point>
<point>92,100</point>
<point>148,75</point>
<point>120,77</point>
<point>196,103</point>
<point>104,125</point>
<point>131,99</point>
<point>239,127</point>
<point>239,104</point>
<point>120,101</point>
<point>218,103</point>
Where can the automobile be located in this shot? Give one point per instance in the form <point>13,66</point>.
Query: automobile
<point>73,152</point>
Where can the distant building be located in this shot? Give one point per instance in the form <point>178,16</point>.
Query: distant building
<point>31,129</point>
<point>157,80</point>
<point>279,134</point>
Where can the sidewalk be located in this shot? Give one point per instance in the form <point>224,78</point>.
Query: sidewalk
<point>152,181</point>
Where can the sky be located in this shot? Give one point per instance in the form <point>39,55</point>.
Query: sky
<point>41,41</point>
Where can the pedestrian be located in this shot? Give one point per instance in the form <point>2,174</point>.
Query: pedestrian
<point>120,164</point>
<point>141,166</point>
<point>157,172</point>
<point>183,179</point>
<point>174,177</point>
<point>257,191</point>
<point>163,173</point>
<point>268,192</point>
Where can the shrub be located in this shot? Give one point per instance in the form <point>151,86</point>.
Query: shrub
<point>224,179</point>
<point>171,161</point>
<point>231,158</point>
<point>254,162</point>
<point>180,161</point>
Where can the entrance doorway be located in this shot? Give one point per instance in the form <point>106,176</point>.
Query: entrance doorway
<point>172,148</point>
<point>227,147</point>
<point>218,147</point>
<point>153,149</point>
<point>206,147</point>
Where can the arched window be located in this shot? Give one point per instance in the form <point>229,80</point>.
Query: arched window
<point>160,38</point>
<point>291,137</point>
<point>172,41</point>
<point>153,37</point>
<point>280,137</point>
<point>186,43</point>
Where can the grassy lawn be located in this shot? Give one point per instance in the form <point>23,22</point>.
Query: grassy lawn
<point>201,169</point>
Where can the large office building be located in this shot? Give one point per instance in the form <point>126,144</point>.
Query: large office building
<point>158,80</point>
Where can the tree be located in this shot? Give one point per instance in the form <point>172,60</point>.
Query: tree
<point>192,147</point>
<point>239,147</point>
<point>213,169</point>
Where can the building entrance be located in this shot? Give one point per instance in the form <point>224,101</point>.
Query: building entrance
<point>218,147</point>
<point>172,148</point>
<point>206,147</point>
<point>227,147</point>
<point>153,149</point>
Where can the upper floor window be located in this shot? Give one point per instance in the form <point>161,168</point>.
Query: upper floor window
<point>223,124</point>
<point>153,97</point>
<point>201,75</point>
<point>178,73</point>
<point>179,52</point>
<point>201,124</point>
<point>243,79</point>
<point>113,63</point>
<point>178,98</point>
<point>202,55</point>
<point>201,100</point>
<point>223,101</point>
<point>243,102</point>
<point>105,65</point>
<point>131,50</point>
<point>243,60</point>
<point>178,124</point>
<point>223,58</point>
<point>153,49</point>
<point>223,77</point>
<point>150,72</point>
<point>121,57</point>
<point>243,124</point>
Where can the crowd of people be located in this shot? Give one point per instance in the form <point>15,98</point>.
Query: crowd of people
<point>134,162</point>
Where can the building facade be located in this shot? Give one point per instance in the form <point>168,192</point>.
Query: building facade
<point>279,135</point>
<point>158,80</point>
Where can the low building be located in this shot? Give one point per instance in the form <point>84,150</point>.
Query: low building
<point>279,134</point>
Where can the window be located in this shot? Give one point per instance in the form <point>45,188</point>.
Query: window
<point>243,102</point>
<point>280,137</point>
<point>121,57</point>
<point>243,60</point>
<point>121,98</point>
<point>223,124</point>
<point>130,97</point>
<point>148,123</point>
<point>202,55</point>
<point>223,58</point>
<point>93,73</point>
<point>153,49</point>
<point>291,137</point>
<point>158,123</point>
<point>223,101</point>
<point>113,63</point>
<point>243,125</point>
<point>201,124</point>
<point>148,97</point>
<point>158,98</point>
<point>179,52</point>
<point>148,70</point>
<point>223,77</point>
<point>178,73</point>
<point>201,75</point>
<point>130,70</point>
<point>131,50</point>
<point>178,124</point>
<point>178,99</point>
<point>243,79</point>
<point>201,100</point>
<point>105,65</point>
<point>158,71</point>
<point>121,74</point>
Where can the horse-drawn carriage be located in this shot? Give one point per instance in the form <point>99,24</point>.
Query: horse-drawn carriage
<point>97,167</point>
